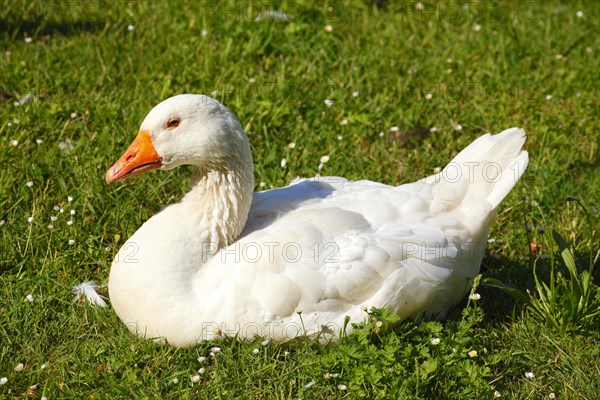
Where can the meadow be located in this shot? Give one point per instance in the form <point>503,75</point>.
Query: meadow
<point>389,93</point>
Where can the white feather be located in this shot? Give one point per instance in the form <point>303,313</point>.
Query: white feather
<point>88,289</point>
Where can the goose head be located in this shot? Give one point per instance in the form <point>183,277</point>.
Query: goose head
<point>187,129</point>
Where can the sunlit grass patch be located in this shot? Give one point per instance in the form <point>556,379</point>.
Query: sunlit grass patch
<point>338,88</point>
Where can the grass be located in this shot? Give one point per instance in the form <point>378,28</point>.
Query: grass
<point>487,67</point>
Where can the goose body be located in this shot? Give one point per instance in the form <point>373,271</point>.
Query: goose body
<point>299,259</point>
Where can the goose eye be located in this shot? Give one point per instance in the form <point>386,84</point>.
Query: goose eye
<point>173,123</point>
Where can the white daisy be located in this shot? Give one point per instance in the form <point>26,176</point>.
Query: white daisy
<point>474,296</point>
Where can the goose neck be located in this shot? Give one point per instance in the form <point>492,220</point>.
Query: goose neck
<point>220,200</point>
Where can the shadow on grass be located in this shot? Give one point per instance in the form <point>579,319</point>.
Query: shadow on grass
<point>498,305</point>
<point>15,28</point>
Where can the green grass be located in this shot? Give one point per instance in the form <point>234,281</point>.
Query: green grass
<point>274,76</point>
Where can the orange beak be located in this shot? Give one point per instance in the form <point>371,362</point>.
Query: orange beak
<point>140,156</point>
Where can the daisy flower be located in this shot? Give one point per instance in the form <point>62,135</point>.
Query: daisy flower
<point>474,296</point>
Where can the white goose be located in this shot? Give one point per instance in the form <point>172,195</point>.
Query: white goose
<point>295,260</point>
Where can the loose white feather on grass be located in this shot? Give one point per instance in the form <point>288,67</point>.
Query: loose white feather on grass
<point>88,289</point>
